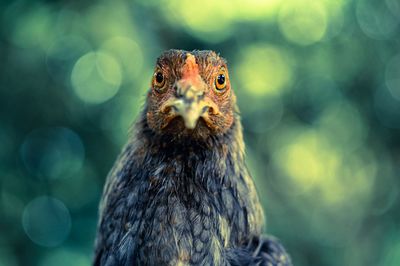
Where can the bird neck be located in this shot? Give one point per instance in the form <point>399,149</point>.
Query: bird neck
<point>211,162</point>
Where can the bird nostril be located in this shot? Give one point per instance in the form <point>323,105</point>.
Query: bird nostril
<point>173,107</point>
<point>201,95</point>
<point>178,92</point>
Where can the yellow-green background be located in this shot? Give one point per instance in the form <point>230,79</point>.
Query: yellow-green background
<point>318,84</point>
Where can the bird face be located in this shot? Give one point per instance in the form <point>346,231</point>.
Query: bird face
<point>190,94</point>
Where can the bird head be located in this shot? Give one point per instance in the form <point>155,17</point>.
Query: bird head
<point>190,94</point>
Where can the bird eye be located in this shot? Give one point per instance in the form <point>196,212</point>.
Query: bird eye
<point>220,81</point>
<point>159,80</point>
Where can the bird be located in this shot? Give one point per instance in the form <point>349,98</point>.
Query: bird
<point>180,192</point>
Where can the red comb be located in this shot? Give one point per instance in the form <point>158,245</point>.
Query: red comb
<point>190,70</point>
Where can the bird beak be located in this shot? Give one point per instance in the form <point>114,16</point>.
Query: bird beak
<point>190,103</point>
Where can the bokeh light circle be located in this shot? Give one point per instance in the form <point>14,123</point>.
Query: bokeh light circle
<point>96,77</point>
<point>394,7</point>
<point>52,152</point>
<point>256,10</point>
<point>313,163</point>
<point>303,22</point>
<point>392,76</point>
<point>306,159</point>
<point>335,122</point>
<point>211,22</point>
<point>376,20</point>
<point>128,53</point>
<point>336,19</point>
<point>263,70</point>
<point>34,29</point>
<point>62,55</point>
<point>46,221</point>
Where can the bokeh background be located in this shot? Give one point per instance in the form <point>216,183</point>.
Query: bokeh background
<point>318,84</point>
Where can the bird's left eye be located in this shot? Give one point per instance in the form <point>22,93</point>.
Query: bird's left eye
<point>220,80</point>
<point>159,80</point>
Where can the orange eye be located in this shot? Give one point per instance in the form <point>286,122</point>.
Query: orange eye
<point>159,79</point>
<point>220,81</point>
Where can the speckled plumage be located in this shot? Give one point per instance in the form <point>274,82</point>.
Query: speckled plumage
<point>177,197</point>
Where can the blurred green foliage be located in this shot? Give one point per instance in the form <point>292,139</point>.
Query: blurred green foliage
<point>318,84</point>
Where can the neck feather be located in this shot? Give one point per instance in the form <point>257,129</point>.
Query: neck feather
<point>211,162</point>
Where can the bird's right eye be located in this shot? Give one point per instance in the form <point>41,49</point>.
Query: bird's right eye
<point>159,80</point>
